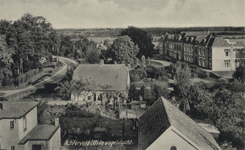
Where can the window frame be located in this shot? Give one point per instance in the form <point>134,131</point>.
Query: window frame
<point>24,124</point>
<point>11,125</point>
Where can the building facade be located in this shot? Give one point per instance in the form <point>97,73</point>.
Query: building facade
<point>19,129</point>
<point>215,53</point>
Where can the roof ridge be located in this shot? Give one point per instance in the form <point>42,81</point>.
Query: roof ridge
<point>169,120</point>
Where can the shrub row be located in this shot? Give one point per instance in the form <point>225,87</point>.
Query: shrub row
<point>24,77</point>
<point>49,65</point>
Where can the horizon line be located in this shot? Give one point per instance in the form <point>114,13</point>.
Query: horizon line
<point>150,27</point>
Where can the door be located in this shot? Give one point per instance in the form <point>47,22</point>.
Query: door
<point>36,147</point>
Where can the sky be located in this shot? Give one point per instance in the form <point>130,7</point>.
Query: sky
<point>124,13</point>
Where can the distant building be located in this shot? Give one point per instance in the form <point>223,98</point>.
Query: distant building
<point>215,53</point>
<point>19,129</point>
<point>164,126</point>
<point>114,75</point>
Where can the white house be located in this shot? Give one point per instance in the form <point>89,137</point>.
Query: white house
<point>19,129</point>
<point>114,75</point>
<point>164,126</point>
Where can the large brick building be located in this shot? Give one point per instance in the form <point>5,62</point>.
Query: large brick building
<point>216,53</point>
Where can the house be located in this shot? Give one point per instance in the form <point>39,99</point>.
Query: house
<point>116,76</point>
<point>164,126</point>
<point>19,129</point>
<point>208,51</point>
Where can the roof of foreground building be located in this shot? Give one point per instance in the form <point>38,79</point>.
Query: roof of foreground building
<point>162,115</point>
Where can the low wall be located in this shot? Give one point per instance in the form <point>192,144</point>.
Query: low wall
<point>65,102</point>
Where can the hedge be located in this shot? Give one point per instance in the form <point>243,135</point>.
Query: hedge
<point>24,77</point>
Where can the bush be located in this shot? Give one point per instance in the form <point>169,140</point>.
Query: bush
<point>49,65</point>
<point>137,74</point>
<point>158,73</point>
<point>196,72</point>
<point>93,56</point>
<point>7,82</point>
<point>24,77</point>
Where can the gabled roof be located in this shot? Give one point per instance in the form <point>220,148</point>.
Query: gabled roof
<point>220,42</point>
<point>161,115</point>
<point>40,133</point>
<point>114,75</point>
<point>16,110</point>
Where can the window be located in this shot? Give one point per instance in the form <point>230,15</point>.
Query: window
<point>24,123</point>
<point>11,124</point>
<point>12,148</point>
<point>196,50</point>
<point>200,50</point>
<point>227,52</point>
<point>89,97</point>
<point>227,63</point>
<point>173,148</point>
<point>1,106</point>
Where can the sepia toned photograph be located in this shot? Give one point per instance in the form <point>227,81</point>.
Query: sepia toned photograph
<point>122,75</point>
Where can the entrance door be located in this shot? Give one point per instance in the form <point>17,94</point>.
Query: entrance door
<point>36,147</point>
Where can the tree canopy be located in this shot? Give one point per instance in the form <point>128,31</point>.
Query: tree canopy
<point>124,50</point>
<point>140,38</point>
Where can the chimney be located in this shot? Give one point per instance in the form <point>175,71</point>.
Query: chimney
<point>57,122</point>
<point>101,61</point>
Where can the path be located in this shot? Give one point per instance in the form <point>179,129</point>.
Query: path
<point>54,78</point>
<point>163,62</point>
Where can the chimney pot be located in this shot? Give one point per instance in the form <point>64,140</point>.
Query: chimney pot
<point>57,122</point>
<point>101,61</point>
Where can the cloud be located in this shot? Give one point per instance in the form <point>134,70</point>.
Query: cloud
<point>123,13</point>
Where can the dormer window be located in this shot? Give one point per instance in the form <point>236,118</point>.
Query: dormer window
<point>179,37</point>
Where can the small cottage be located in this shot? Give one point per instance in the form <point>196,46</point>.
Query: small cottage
<point>116,76</point>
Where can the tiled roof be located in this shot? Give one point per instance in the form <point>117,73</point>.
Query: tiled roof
<point>220,42</point>
<point>161,115</point>
<point>40,132</point>
<point>114,75</point>
<point>152,124</point>
<point>16,110</point>
<point>189,128</point>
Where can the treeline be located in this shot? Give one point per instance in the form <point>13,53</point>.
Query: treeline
<point>114,32</point>
<point>22,45</point>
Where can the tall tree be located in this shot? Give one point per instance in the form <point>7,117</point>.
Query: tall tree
<point>140,38</point>
<point>124,50</point>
